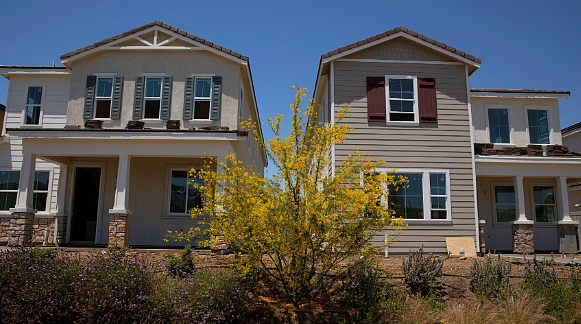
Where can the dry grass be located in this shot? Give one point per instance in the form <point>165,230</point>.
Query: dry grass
<point>471,312</point>
<point>418,312</point>
<point>523,309</point>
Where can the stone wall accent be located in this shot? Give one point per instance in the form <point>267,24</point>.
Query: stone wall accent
<point>523,238</point>
<point>568,239</point>
<point>61,235</point>
<point>38,227</point>
<point>20,229</point>
<point>482,238</point>
<point>4,225</point>
<point>118,230</point>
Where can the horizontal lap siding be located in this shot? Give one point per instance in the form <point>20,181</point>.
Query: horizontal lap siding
<point>445,145</point>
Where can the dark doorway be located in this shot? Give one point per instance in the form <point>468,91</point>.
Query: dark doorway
<point>85,204</point>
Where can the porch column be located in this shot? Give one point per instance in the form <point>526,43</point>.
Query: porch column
<point>119,214</point>
<point>60,215</point>
<point>522,228</point>
<point>566,227</point>
<point>20,229</point>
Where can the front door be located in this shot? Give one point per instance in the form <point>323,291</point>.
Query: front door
<point>85,204</point>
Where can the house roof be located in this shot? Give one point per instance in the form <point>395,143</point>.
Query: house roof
<point>36,67</point>
<point>149,25</point>
<point>404,30</point>
<point>571,128</point>
<point>2,107</point>
<point>519,91</point>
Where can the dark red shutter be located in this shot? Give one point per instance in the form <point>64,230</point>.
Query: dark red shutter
<point>376,99</point>
<point>427,100</point>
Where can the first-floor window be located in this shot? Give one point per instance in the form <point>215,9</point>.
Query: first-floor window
<point>505,203</point>
<point>41,183</point>
<point>544,199</point>
<point>183,195</point>
<point>8,189</point>
<point>425,196</point>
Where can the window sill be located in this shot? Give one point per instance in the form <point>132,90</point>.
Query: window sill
<point>504,144</point>
<point>394,123</point>
<point>201,121</point>
<point>429,221</point>
<point>30,126</point>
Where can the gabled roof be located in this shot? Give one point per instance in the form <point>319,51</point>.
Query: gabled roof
<point>571,129</point>
<point>396,30</point>
<point>149,25</point>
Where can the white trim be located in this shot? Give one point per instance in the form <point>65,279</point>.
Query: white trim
<point>549,119</point>
<point>416,120</point>
<point>493,185</point>
<point>518,95</point>
<point>169,40</point>
<point>155,48</point>
<point>47,207</point>
<point>105,74</point>
<point>473,157</point>
<point>203,74</point>
<point>332,72</point>
<point>206,136</point>
<point>397,61</point>
<point>42,102</point>
<point>4,137</point>
<point>144,41</point>
<point>528,159</point>
<point>511,134</point>
<point>409,37</point>
<point>153,74</point>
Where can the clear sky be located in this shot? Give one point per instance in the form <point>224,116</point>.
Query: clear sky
<point>522,44</point>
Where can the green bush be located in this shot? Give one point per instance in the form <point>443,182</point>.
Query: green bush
<point>489,277</point>
<point>423,274</point>
<point>360,290</point>
<point>540,274</point>
<point>182,265</point>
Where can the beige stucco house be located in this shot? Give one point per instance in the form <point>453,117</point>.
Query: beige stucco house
<point>481,163</point>
<point>98,151</point>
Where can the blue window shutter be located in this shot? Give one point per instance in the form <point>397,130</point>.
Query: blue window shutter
<point>89,97</point>
<point>189,98</point>
<point>117,94</point>
<point>216,97</point>
<point>138,99</point>
<point>166,97</point>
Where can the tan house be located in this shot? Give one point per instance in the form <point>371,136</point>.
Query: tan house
<point>481,163</point>
<point>98,151</point>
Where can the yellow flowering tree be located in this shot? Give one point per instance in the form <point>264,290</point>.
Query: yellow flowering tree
<point>301,222</point>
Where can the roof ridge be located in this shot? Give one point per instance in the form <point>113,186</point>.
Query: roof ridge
<point>146,26</point>
<point>395,31</point>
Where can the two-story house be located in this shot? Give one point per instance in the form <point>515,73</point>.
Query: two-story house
<point>98,151</point>
<point>481,163</point>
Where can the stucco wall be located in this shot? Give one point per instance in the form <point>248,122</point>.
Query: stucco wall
<point>517,117</point>
<point>573,141</point>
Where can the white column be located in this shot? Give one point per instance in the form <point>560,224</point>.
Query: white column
<point>520,200</point>
<point>219,160</point>
<point>26,185</point>
<point>61,191</point>
<point>122,188</point>
<point>563,200</point>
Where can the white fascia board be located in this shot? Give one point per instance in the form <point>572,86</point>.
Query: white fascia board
<point>527,159</point>
<point>569,133</point>
<point>210,136</point>
<point>409,37</point>
<point>7,72</point>
<point>518,95</point>
<point>258,123</point>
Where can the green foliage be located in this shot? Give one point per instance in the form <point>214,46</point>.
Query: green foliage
<point>182,265</point>
<point>540,274</point>
<point>423,274</point>
<point>490,277</point>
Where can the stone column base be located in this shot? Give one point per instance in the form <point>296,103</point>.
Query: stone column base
<point>482,236</point>
<point>118,230</point>
<point>20,229</point>
<point>523,238</point>
<point>61,231</point>
<point>568,240</point>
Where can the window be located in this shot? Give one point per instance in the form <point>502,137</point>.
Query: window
<point>152,102</point>
<point>402,98</point>
<point>8,189</point>
<point>33,106</point>
<point>544,199</point>
<point>202,98</point>
<point>41,183</point>
<point>183,195</point>
<point>103,97</point>
<point>426,196</point>
<point>498,125</point>
<point>505,203</point>
<point>538,126</point>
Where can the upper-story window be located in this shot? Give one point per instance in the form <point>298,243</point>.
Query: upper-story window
<point>538,122</point>
<point>402,98</point>
<point>103,97</point>
<point>202,98</point>
<point>152,99</point>
<point>33,105</point>
<point>498,125</point>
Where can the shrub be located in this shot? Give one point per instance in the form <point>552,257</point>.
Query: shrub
<point>540,274</point>
<point>182,265</point>
<point>423,274</point>
<point>489,277</point>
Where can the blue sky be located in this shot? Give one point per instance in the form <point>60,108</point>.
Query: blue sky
<point>522,44</point>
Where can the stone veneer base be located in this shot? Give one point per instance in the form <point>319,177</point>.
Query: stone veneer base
<point>523,238</point>
<point>118,230</point>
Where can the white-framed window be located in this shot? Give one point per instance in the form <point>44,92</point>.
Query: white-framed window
<point>202,98</point>
<point>8,189</point>
<point>103,97</point>
<point>545,206</point>
<point>33,106</point>
<point>498,120</point>
<point>152,98</point>
<point>402,98</point>
<point>504,202</point>
<point>538,125</point>
<point>426,196</point>
<point>41,190</point>
<point>182,194</point>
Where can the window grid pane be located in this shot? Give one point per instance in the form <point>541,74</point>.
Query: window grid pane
<point>544,199</point>
<point>538,126</point>
<point>408,202</point>
<point>104,87</point>
<point>203,87</point>
<point>153,87</point>
<point>34,96</point>
<point>8,189</point>
<point>499,125</point>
